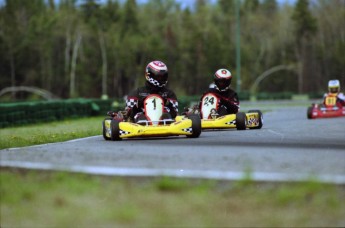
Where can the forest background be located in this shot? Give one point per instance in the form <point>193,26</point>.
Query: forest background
<point>89,48</point>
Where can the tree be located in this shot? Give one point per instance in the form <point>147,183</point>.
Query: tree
<point>102,47</point>
<point>305,29</point>
<point>330,41</point>
<point>269,7</point>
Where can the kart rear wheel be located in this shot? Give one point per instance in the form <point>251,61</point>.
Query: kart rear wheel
<point>241,121</point>
<point>115,130</point>
<point>104,130</point>
<point>261,118</point>
<point>196,126</point>
<point>310,112</point>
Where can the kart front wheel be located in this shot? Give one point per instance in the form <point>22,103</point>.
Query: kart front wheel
<point>261,118</point>
<point>310,112</point>
<point>241,121</point>
<point>196,126</point>
<point>104,129</point>
<point>115,130</point>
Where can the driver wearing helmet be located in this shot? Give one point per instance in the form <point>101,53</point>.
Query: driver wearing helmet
<point>334,91</point>
<point>229,102</point>
<point>156,76</point>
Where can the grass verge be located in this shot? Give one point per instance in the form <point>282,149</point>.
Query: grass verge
<point>59,199</point>
<point>57,131</point>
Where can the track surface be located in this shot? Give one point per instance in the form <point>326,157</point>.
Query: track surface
<point>288,147</point>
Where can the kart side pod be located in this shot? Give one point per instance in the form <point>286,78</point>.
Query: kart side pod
<point>253,119</point>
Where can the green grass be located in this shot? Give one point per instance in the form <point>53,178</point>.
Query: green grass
<point>57,131</point>
<point>59,199</point>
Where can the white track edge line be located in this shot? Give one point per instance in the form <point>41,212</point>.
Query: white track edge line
<point>39,145</point>
<point>207,174</point>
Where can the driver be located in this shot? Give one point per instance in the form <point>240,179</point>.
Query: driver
<point>334,91</point>
<point>229,102</point>
<point>156,76</point>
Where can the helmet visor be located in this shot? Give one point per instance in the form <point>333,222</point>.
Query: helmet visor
<point>161,77</point>
<point>223,83</point>
<point>333,90</point>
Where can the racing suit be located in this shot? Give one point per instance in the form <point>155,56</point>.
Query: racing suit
<point>135,101</point>
<point>229,102</point>
<point>339,96</point>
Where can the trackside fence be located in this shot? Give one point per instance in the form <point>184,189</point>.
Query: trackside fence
<point>20,113</point>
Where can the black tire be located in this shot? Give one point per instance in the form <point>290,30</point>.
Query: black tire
<point>309,112</point>
<point>115,130</point>
<point>261,118</point>
<point>241,121</point>
<point>196,125</point>
<point>103,129</point>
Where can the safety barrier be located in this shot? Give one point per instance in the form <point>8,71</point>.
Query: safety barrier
<point>19,113</point>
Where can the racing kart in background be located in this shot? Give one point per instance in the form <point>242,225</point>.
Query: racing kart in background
<point>253,119</point>
<point>119,126</point>
<point>329,109</point>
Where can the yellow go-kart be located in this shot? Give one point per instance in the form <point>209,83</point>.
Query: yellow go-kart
<point>119,127</point>
<point>253,119</point>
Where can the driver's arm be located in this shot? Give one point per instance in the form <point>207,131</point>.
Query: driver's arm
<point>232,104</point>
<point>341,99</point>
<point>172,104</point>
<point>132,104</point>
<point>324,98</point>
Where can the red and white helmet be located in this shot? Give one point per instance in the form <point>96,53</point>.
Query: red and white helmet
<point>222,79</point>
<point>157,74</point>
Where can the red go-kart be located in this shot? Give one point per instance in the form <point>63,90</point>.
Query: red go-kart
<point>330,108</point>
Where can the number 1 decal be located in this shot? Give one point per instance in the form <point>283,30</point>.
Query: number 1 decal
<point>154,104</point>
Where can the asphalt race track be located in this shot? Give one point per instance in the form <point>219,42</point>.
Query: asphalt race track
<point>289,147</point>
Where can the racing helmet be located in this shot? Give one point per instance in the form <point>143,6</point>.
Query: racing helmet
<point>157,74</point>
<point>222,79</point>
<point>334,86</point>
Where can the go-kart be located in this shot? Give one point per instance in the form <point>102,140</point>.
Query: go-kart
<point>119,125</point>
<point>210,119</point>
<point>328,109</point>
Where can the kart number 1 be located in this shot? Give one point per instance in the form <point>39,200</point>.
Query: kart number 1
<point>154,104</point>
